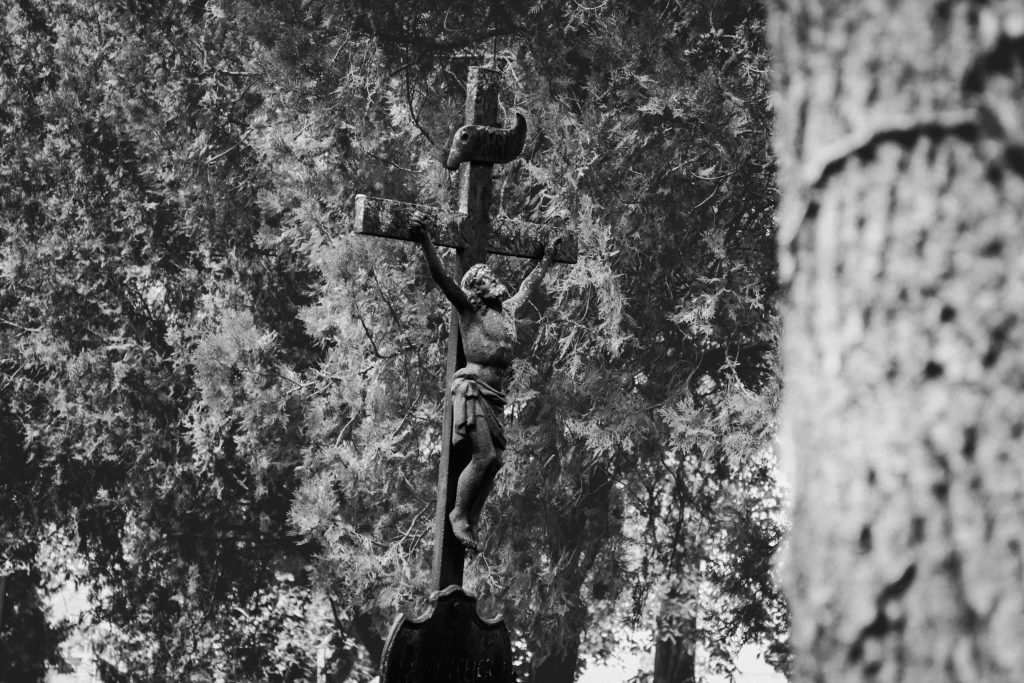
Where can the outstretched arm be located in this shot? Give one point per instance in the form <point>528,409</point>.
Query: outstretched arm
<point>529,284</point>
<point>451,289</point>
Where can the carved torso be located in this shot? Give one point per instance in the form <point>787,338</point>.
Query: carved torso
<point>487,337</point>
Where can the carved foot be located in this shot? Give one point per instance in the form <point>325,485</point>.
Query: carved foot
<point>464,532</point>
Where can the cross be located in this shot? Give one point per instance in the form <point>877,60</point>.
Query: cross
<point>473,234</point>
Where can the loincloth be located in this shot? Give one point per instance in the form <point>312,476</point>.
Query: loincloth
<point>471,399</point>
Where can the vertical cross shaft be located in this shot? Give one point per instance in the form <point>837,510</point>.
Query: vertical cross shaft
<point>475,202</point>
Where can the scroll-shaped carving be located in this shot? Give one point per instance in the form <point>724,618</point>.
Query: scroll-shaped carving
<point>487,144</point>
<point>451,643</point>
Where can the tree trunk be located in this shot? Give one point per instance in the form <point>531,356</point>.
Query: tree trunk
<point>369,637</point>
<point>675,645</point>
<point>3,594</point>
<point>899,139</point>
<point>559,666</point>
<point>674,661</point>
<point>594,509</point>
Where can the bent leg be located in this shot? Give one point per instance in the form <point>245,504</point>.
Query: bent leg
<point>474,484</point>
<point>485,488</point>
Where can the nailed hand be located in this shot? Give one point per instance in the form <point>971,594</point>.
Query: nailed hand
<point>418,224</point>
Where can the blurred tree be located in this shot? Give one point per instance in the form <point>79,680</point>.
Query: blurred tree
<point>900,167</point>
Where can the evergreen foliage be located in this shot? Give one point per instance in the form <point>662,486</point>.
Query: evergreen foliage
<point>234,404</point>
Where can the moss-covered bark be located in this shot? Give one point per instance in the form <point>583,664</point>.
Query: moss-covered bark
<point>900,169</point>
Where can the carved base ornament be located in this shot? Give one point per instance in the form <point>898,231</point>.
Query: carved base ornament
<point>450,643</point>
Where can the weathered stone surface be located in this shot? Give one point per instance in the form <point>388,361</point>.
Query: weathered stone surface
<point>449,644</point>
<point>387,218</point>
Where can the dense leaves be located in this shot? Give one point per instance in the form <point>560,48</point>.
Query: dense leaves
<point>234,404</point>
<point>130,267</point>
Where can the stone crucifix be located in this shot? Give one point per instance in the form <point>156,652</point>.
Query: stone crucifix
<point>477,146</point>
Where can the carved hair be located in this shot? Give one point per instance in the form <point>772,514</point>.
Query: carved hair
<point>472,281</point>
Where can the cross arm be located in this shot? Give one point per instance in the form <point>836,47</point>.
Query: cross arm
<point>527,240</point>
<point>388,218</point>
